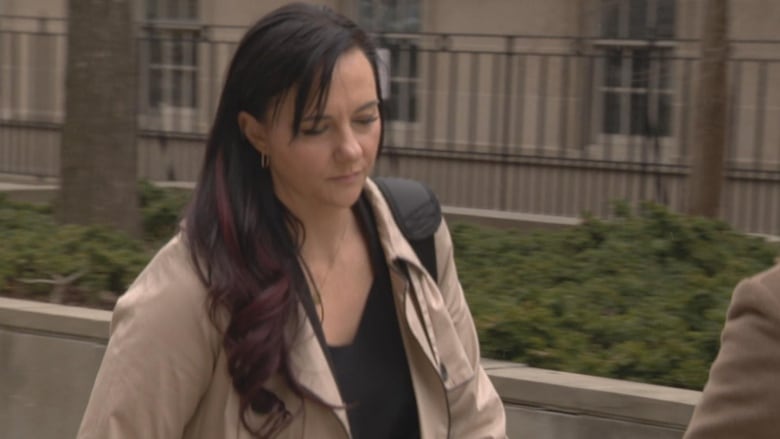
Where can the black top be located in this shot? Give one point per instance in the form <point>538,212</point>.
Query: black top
<point>372,373</point>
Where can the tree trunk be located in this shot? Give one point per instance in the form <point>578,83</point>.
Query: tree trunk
<point>98,151</point>
<point>706,178</point>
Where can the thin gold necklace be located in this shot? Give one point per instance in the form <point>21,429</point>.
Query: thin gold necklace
<point>319,286</point>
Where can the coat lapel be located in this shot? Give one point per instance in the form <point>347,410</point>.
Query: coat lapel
<point>396,249</point>
<point>411,313</point>
<point>310,367</point>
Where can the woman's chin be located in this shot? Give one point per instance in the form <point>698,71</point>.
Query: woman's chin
<point>349,196</point>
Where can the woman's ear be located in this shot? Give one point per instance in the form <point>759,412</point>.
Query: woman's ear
<point>254,131</point>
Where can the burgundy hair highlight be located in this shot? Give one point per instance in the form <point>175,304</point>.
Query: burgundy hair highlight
<point>259,303</point>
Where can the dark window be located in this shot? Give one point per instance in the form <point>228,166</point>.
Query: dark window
<point>636,87</point>
<point>636,91</point>
<point>404,78</point>
<point>396,16</point>
<point>637,19</point>
<point>172,10</point>
<point>172,53</point>
<point>390,15</point>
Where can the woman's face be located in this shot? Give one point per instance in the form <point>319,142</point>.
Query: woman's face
<point>326,165</point>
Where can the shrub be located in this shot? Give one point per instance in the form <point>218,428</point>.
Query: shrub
<point>35,250</point>
<point>161,210</point>
<point>641,297</point>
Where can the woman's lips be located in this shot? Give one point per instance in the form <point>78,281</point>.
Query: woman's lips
<point>348,178</point>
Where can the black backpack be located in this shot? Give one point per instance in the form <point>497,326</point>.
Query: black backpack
<point>418,214</point>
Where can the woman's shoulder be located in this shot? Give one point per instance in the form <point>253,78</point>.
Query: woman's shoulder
<point>769,278</point>
<point>168,280</point>
<point>759,292</point>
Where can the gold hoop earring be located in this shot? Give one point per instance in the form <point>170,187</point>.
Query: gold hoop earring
<point>264,160</point>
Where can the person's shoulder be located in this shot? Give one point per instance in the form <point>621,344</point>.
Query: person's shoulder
<point>410,204</point>
<point>768,279</point>
<point>758,292</point>
<point>174,261</point>
<point>170,278</point>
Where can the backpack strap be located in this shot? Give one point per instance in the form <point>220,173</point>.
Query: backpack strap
<point>417,212</point>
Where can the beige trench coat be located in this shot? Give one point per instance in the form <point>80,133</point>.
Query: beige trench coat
<point>742,396</point>
<point>164,373</point>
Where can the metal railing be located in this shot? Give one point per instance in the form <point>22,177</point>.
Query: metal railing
<point>548,125</point>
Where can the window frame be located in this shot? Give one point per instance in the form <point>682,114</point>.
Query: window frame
<point>660,52</point>
<point>168,66</point>
<point>170,53</point>
<point>402,107</point>
<point>658,59</point>
<point>403,75</point>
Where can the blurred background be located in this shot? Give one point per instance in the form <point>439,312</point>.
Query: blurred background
<point>551,107</point>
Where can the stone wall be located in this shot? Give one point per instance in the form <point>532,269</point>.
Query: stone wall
<point>49,355</point>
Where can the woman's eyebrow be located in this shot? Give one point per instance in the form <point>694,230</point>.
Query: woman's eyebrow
<point>367,105</point>
<point>320,117</point>
<point>315,118</point>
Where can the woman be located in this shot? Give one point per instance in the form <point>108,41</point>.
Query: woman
<point>742,396</point>
<point>290,305</point>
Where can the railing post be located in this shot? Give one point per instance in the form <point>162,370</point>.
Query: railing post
<point>506,118</point>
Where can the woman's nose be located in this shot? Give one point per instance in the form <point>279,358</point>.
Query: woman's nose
<point>349,146</point>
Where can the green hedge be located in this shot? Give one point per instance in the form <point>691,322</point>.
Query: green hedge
<point>35,250</point>
<point>640,297</point>
<point>161,210</point>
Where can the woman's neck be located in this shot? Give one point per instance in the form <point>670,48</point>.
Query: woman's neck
<point>324,226</point>
<point>325,233</point>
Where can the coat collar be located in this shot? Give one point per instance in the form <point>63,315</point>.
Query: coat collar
<point>390,235</point>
